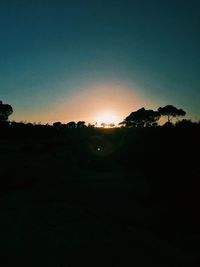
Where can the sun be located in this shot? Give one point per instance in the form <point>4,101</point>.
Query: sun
<point>107,118</point>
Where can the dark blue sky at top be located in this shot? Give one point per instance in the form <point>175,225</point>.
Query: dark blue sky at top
<point>51,48</point>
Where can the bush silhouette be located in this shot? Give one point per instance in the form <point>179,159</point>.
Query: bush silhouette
<point>5,111</point>
<point>71,125</point>
<point>80,124</point>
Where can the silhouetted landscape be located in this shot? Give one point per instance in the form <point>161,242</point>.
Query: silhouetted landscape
<point>77,195</point>
<point>99,133</point>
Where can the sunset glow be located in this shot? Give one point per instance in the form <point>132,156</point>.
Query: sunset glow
<point>99,132</point>
<point>107,118</point>
<point>98,62</point>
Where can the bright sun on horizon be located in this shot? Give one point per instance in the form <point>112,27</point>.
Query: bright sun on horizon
<point>107,118</point>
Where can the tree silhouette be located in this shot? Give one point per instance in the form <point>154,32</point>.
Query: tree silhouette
<point>171,112</point>
<point>57,124</point>
<point>71,125</point>
<point>186,123</point>
<point>5,111</point>
<point>111,125</point>
<point>80,124</point>
<point>142,118</point>
<point>103,124</point>
<point>91,125</point>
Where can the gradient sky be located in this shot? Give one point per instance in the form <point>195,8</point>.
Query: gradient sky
<point>72,60</point>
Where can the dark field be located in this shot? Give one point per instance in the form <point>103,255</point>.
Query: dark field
<point>93,197</point>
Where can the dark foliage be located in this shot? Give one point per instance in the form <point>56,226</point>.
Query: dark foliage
<point>171,112</point>
<point>142,118</point>
<point>71,125</point>
<point>130,194</point>
<point>5,111</point>
<point>80,124</point>
<point>57,124</point>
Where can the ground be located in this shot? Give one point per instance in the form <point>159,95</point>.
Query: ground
<point>56,213</point>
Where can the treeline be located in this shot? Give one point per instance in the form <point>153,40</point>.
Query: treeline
<point>149,118</point>
<point>138,144</point>
<point>137,119</point>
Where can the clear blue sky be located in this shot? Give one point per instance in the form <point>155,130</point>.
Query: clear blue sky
<point>56,54</point>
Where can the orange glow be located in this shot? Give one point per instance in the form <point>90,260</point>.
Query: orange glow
<point>108,102</point>
<point>107,118</point>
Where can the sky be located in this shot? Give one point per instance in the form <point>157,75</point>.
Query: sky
<point>75,60</point>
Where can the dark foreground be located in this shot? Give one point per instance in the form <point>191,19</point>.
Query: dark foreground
<point>124,199</point>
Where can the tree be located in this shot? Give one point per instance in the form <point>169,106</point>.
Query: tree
<point>71,125</point>
<point>91,125</point>
<point>171,112</point>
<point>5,111</point>
<point>186,123</point>
<point>111,125</point>
<point>142,118</point>
<point>103,124</point>
<point>80,124</point>
<point>57,124</point>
